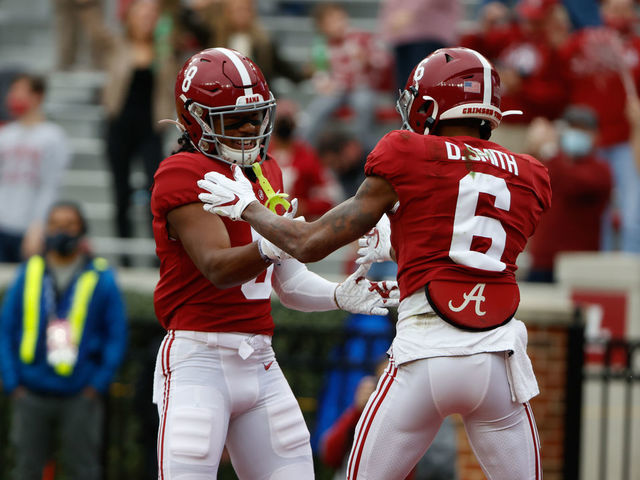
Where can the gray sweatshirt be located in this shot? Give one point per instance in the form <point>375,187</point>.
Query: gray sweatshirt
<point>32,161</point>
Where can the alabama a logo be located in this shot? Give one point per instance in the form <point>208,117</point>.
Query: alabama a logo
<point>475,295</point>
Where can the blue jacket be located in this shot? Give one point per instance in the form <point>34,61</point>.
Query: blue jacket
<point>102,345</point>
<point>367,339</point>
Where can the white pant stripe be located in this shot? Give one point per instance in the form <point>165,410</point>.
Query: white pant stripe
<point>367,419</point>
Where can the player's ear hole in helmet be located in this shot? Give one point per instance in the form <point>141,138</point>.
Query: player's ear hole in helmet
<point>427,111</point>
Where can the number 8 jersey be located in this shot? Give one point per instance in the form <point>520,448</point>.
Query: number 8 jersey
<point>184,299</point>
<point>466,207</point>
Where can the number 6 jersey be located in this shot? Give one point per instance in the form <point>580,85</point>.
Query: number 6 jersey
<point>466,207</point>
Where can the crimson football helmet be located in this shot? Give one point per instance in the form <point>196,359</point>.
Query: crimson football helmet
<point>218,82</point>
<point>451,83</point>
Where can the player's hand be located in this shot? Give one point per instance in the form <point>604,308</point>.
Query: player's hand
<point>226,197</point>
<point>375,246</point>
<point>357,294</point>
<point>272,252</point>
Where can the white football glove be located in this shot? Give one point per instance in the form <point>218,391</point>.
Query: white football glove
<point>226,197</point>
<point>270,251</point>
<point>357,294</point>
<point>375,246</point>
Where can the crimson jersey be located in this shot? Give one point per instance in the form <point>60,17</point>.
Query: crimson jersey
<point>184,299</point>
<point>467,206</point>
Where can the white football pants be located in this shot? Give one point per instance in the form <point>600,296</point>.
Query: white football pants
<point>404,414</point>
<point>208,396</point>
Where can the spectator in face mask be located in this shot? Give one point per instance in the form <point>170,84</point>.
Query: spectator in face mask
<point>33,156</point>
<point>62,336</point>
<point>581,185</point>
<point>602,70</point>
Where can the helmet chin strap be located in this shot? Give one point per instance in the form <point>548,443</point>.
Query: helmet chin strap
<point>168,121</point>
<point>512,112</point>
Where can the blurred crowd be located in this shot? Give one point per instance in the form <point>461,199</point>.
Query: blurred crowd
<point>550,69</point>
<point>570,74</point>
<point>553,56</point>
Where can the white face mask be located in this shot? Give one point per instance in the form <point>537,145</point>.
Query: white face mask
<point>575,142</point>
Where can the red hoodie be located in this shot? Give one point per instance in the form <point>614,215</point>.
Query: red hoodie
<point>542,91</point>
<point>306,179</point>
<point>590,71</point>
<point>580,192</point>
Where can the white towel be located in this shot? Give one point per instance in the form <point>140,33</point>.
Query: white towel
<point>522,380</point>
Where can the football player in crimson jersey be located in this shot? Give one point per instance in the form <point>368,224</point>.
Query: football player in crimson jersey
<point>461,209</point>
<point>217,381</point>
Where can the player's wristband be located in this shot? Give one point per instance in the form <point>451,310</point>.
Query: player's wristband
<point>262,255</point>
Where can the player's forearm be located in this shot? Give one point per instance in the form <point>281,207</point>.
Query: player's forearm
<point>302,290</point>
<point>310,242</point>
<point>234,266</point>
<point>294,237</point>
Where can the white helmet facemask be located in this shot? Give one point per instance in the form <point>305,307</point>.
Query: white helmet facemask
<point>211,143</point>
<point>404,104</point>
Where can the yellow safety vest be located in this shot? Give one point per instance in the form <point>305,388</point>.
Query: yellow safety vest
<point>85,286</point>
